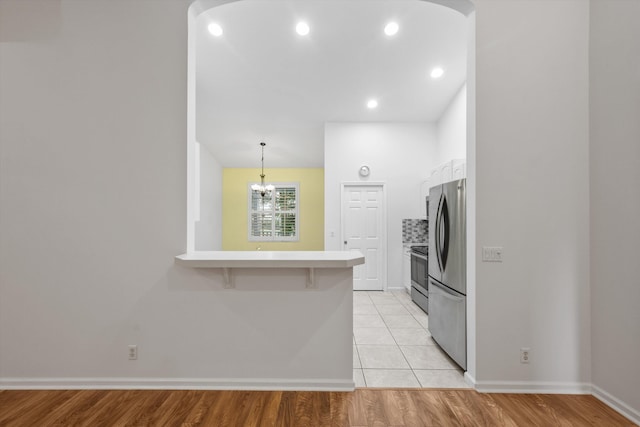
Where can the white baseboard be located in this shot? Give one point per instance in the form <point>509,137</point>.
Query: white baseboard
<point>470,380</point>
<point>555,388</point>
<point>616,404</point>
<point>174,384</point>
<point>532,387</point>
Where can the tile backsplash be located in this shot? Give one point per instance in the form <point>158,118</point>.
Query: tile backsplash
<point>414,231</point>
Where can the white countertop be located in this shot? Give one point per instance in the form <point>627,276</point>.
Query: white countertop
<point>270,259</point>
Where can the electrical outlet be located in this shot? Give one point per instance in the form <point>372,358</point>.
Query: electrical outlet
<point>525,354</point>
<point>133,352</point>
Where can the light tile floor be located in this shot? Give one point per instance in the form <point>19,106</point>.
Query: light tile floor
<point>392,346</point>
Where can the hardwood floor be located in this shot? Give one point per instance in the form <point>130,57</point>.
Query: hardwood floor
<point>364,407</point>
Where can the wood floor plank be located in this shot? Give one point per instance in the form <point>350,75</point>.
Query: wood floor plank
<point>14,399</point>
<point>436,409</point>
<point>74,409</point>
<point>201,409</point>
<point>112,407</point>
<point>218,407</point>
<point>142,407</point>
<point>364,407</point>
<point>396,406</point>
<point>587,409</point>
<point>520,410</point>
<point>466,411</point>
<point>304,413</point>
<point>413,413</point>
<point>39,407</point>
<point>264,410</point>
<point>486,412</point>
<point>230,409</point>
<point>286,410</point>
<point>340,404</point>
<point>254,408</point>
<point>373,409</point>
<point>175,406</point>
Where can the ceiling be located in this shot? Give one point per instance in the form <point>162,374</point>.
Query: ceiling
<point>261,81</point>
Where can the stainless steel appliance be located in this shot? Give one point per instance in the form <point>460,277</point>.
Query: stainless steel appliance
<point>448,269</point>
<point>427,209</point>
<point>419,276</point>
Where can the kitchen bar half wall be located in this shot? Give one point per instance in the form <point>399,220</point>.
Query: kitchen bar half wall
<point>289,317</point>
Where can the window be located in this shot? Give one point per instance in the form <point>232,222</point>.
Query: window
<point>274,217</point>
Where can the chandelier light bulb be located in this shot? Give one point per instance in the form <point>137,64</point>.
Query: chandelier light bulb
<point>262,188</point>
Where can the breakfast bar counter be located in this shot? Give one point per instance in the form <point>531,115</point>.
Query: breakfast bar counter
<point>288,317</point>
<point>270,259</point>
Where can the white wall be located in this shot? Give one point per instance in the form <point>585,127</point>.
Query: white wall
<point>451,129</point>
<point>208,231</point>
<point>92,213</point>
<point>532,194</point>
<point>93,191</point>
<point>615,201</point>
<point>399,154</point>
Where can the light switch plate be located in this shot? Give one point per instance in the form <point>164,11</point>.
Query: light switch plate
<point>492,253</point>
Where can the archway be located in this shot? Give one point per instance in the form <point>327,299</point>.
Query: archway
<point>464,7</point>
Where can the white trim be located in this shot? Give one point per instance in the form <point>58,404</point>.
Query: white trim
<point>532,387</point>
<point>463,6</point>
<point>198,178</point>
<point>383,185</point>
<point>469,379</point>
<point>175,384</point>
<point>192,16</point>
<point>364,184</point>
<point>270,259</point>
<point>616,404</point>
<point>555,388</point>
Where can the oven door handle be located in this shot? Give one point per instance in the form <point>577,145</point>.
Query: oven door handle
<point>417,255</point>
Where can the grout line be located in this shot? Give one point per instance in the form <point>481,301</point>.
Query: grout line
<point>360,363</point>
<point>398,345</point>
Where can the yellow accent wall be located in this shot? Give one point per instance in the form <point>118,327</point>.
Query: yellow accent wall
<point>235,183</point>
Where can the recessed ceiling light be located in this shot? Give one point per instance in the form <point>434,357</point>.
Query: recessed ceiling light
<point>215,29</point>
<point>302,28</point>
<point>391,28</point>
<point>372,103</point>
<point>437,73</point>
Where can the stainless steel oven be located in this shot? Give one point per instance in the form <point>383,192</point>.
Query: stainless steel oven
<point>420,276</point>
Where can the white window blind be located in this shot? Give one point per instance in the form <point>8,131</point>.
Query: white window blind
<point>274,217</point>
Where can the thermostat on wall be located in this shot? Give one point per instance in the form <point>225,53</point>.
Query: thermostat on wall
<point>364,171</point>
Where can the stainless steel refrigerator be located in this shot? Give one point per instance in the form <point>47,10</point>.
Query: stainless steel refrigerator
<point>448,269</point>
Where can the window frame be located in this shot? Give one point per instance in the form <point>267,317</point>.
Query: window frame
<point>273,211</point>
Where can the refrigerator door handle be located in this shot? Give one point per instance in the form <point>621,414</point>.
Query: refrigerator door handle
<point>437,232</point>
<point>443,233</point>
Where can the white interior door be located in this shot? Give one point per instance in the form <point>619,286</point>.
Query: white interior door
<point>364,230</point>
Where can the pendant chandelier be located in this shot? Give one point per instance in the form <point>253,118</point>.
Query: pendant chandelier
<point>262,188</point>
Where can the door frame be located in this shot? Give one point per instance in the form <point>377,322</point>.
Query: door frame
<point>383,238</point>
